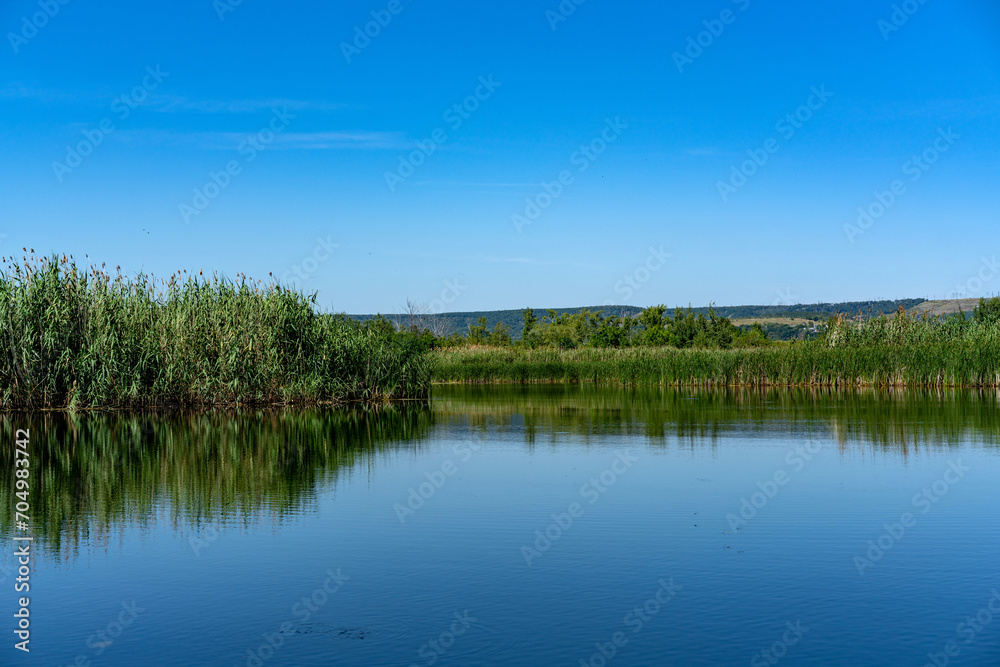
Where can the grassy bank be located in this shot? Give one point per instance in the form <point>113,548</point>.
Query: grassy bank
<point>82,337</point>
<point>954,363</point>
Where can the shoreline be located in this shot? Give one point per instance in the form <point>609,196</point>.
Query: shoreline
<point>803,365</point>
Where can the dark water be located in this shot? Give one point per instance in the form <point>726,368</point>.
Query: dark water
<point>501,526</point>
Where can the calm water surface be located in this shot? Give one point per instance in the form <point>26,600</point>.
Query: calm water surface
<point>508,526</point>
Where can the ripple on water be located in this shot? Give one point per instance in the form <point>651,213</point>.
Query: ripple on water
<point>486,642</point>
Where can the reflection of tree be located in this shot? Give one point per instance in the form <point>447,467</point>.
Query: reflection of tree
<point>98,475</point>
<point>94,474</point>
<point>896,420</point>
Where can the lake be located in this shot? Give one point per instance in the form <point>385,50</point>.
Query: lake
<point>543,525</point>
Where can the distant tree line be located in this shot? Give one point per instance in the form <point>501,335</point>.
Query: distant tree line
<point>445,324</point>
<point>686,328</point>
<point>652,327</point>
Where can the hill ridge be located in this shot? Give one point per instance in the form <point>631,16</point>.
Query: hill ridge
<point>448,323</point>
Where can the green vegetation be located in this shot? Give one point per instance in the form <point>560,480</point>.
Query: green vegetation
<point>800,364</point>
<point>82,338</point>
<point>446,324</point>
<point>75,338</point>
<point>786,328</point>
<point>653,327</point>
<point>694,349</point>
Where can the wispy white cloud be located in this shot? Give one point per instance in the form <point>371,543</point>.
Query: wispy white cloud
<point>478,185</point>
<point>704,152</point>
<point>944,108</point>
<point>337,140</point>
<point>528,261</point>
<point>531,261</point>
<point>162,103</point>
<point>331,140</point>
<point>19,91</point>
<point>177,104</point>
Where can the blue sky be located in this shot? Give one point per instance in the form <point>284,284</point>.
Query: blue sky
<point>642,138</point>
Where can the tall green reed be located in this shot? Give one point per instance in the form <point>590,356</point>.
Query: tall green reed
<point>938,364</point>
<point>79,338</point>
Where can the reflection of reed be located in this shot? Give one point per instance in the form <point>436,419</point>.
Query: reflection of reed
<point>895,420</point>
<point>94,474</point>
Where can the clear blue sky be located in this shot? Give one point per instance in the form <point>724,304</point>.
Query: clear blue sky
<point>678,127</point>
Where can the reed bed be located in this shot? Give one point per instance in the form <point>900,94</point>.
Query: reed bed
<point>84,338</point>
<point>956,363</point>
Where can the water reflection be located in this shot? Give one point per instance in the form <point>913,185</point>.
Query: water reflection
<point>96,475</point>
<point>898,421</point>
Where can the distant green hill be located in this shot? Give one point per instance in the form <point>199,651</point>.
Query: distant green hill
<point>448,323</point>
